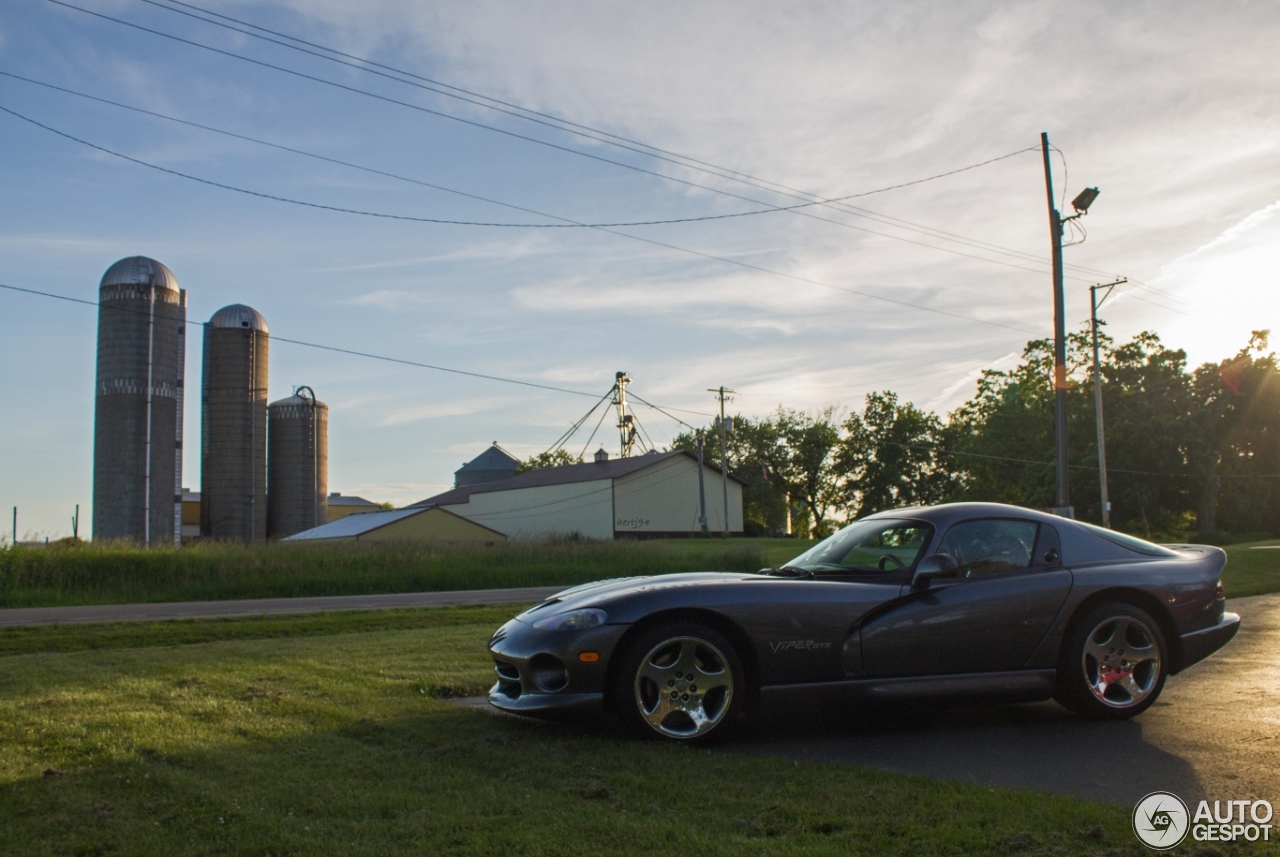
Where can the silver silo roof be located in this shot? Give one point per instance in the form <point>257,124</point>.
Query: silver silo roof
<point>139,271</point>
<point>239,316</point>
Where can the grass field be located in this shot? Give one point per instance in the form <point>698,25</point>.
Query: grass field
<point>335,735</point>
<point>1252,569</point>
<point>106,575</point>
<point>92,574</point>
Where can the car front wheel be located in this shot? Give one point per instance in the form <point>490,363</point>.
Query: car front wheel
<point>681,682</point>
<point>1114,663</point>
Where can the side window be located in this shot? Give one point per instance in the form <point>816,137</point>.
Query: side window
<point>990,547</point>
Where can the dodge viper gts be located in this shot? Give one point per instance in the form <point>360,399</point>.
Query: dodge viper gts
<point>965,601</point>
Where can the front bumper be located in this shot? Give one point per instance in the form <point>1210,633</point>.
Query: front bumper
<point>548,705</point>
<point>1198,645</point>
<point>540,672</point>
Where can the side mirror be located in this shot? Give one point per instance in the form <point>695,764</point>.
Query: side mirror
<point>934,566</point>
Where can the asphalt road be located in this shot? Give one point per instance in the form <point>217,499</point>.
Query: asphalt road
<point>1214,734</point>
<point>264,606</point>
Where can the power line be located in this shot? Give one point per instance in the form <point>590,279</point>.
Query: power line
<point>649,150</point>
<point>609,230</point>
<point>549,144</point>
<point>608,138</point>
<point>565,224</point>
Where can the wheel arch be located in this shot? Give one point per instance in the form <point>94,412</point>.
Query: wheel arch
<point>716,621</point>
<point>1136,598</point>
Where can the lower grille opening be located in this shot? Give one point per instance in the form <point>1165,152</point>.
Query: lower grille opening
<point>549,673</point>
<point>506,671</point>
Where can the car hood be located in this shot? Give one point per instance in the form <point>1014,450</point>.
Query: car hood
<point>602,593</point>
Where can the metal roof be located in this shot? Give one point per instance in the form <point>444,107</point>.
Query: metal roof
<point>354,525</point>
<point>239,316</point>
<point>563,475</point>
<point>139,271</point>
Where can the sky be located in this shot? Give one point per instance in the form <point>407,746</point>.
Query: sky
<point>1168,108</point>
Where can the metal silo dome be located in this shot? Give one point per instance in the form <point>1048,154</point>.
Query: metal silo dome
<point>139,271</point>
<point>239,316</point>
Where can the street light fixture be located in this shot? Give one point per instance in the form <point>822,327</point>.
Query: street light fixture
<point>1081,204</point>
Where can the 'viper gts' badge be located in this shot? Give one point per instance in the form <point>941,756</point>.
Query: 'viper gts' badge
<point>798,645</point>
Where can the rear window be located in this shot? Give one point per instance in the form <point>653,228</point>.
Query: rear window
<point>1128,542</point>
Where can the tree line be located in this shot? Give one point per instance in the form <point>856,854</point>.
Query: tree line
<point>1187,449</point>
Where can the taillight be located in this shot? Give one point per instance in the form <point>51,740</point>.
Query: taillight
<point>1219,593</point>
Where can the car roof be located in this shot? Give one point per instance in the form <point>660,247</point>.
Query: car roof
<point>944,515</point>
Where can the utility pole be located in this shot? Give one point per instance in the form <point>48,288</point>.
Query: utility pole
<point>721,392</point>
<point>1059,338</point>
<point>1094,303</point>
<point>702,490</point>
<point>1081,205</point>
<point>15,527</point>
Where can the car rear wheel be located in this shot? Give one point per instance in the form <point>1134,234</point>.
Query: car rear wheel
<point>680,682</point>
<point>1114,663</point>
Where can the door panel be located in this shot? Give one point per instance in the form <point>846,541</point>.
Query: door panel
<point>978,624</point>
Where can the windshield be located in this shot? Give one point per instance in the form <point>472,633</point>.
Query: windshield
<point>1132,543</point>
<point>879,545</point>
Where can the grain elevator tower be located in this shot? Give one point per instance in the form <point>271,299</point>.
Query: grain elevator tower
<point>298,464</point>
<point>137,432</point>
<point>233,422</point>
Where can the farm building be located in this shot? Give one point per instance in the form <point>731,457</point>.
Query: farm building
<point>644,496</point>
<point>393,525</point>
<point>340,507</point>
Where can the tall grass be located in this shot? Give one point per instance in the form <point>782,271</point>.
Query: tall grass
<point>106,574</point>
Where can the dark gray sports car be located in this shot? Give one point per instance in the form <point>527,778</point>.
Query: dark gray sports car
<point>968,600</point>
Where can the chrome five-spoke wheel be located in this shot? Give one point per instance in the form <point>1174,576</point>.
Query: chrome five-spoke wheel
<point>680,681</point>
<point>1121,661</point>
<point>1114,662</point>
<point>683,687</point>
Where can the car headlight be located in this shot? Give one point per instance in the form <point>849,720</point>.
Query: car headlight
<point>574,620</point>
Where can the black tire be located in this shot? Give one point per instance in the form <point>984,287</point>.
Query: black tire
<point>656,687</point>
<point>1113,664</point>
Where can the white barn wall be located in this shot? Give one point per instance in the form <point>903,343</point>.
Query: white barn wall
<point>664,499</point>
<point>581,508</point>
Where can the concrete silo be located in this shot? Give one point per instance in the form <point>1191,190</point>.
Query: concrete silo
<point>298,459</point>
<point>137,432</point>
<point>233,438</point>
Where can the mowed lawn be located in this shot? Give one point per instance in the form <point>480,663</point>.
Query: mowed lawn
<point>336,735</point>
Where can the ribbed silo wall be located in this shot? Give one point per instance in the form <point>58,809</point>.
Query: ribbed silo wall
<point>298,466</point>
<point>137,437</point>
<point>233,460</point>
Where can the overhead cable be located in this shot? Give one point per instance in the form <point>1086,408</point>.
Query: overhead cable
<point>698,253</point>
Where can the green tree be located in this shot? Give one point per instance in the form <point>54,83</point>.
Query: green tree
<point>892,455</point>
<point>805,461</point>
<point>1238,440</point>
<point>548,459</point>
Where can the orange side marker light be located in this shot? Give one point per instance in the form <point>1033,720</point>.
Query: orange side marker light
<point>589,657</point>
